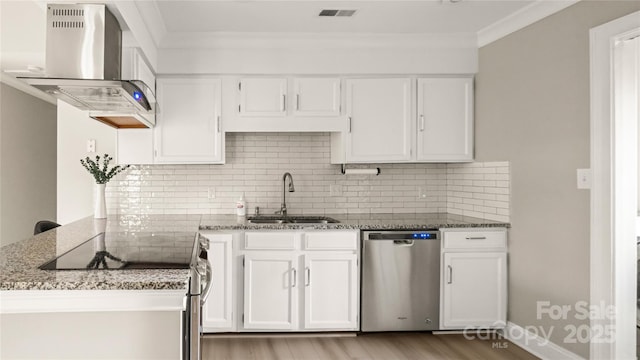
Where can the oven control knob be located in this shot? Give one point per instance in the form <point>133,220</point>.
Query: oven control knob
<point>204,242</point>
<point>427,321</point>
<point>201,267</point>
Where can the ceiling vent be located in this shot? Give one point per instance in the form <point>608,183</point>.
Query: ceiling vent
<point>336,12</point>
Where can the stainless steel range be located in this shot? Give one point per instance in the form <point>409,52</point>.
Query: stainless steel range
<point>199,288</point>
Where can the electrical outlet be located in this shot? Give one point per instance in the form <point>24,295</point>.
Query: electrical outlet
<point>91,145</point>
<point>211,193</point>
<point>335,190</point>
<point>422,192</point>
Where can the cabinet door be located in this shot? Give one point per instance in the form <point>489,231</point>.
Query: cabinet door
<point>379,120</point>
<point>188,122</point>
<point>217,310</point>
<point>331,291</point>
<point>263,96</point>
<point>270,291</point>
<point>474,290</point>
<point>134,146</point>
<point>317,96</point>
<point>445,119</point>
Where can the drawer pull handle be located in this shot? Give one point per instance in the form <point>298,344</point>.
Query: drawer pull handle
<point>308,282</point>
<point>476,238</point>
<point>450,274</point>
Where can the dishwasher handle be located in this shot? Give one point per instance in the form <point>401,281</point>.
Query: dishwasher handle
<point>403,242</point>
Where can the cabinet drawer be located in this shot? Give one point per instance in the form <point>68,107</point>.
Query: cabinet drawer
<point>280,240</point>
<point>474,239</point>
<point>331,240</point>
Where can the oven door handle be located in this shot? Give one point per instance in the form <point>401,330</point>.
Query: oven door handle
<point>208,282</point>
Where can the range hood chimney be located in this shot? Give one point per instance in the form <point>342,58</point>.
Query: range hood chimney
<point>83,67</point>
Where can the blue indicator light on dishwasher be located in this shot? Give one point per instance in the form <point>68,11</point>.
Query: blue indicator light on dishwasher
<point>422,236</point>
<point>137,95</point>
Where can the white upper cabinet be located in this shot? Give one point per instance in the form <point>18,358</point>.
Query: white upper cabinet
<point>135,146</point>
<point>378,120</point>
<point>267,104</point>
<point>316,96</point>
<point>188,128</point>
<point>445,119</point>
<point>262,96</point>
<point>135,67</point>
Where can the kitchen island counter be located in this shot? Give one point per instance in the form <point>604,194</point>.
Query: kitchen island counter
<point>19,261</point>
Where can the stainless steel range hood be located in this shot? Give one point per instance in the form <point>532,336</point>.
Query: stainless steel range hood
<point>83,60</point>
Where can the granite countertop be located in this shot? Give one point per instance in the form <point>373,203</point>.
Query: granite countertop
<point>358,222</point>
<point>19,261</point>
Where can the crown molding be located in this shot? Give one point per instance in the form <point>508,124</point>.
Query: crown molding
<point>315,41</point>
<point>520,19</point>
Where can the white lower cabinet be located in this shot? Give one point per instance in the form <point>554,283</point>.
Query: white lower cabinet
<point>330,291</point>
<point>270,296</point>
<point>474,279</point>
<point>217,312</point>
<point>300,281</point>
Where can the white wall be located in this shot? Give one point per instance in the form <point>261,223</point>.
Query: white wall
<point>75,184</point>
<point>27,163</point>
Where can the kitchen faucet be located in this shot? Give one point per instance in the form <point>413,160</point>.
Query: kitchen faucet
<point>283,207</point>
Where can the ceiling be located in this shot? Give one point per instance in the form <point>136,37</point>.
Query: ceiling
<point>158,24</point>
<point>299,16</point>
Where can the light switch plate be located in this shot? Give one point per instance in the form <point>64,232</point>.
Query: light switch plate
<point>211,193</point>
<point>335,190</point>
<point>584,178</point>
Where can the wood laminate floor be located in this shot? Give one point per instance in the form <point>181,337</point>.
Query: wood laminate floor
<point>380,346</point>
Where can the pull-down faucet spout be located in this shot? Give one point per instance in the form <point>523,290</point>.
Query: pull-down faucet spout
<point>283,207</point>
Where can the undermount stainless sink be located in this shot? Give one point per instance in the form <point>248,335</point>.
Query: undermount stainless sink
<point>291,220</point>
<point>264,221</point>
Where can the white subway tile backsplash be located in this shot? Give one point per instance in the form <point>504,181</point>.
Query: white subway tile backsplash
<point>256,162</point>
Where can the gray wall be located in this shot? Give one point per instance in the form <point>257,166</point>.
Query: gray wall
<point>27,163</point>
<point>532,108</point>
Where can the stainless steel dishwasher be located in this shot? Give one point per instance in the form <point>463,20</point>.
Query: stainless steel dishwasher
<point>400,280</point>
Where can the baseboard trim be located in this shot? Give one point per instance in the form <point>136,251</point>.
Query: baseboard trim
<point>535,344</point>
<point>278,335</point>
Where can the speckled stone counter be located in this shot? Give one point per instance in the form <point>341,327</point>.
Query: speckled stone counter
<point>19,261</point>
<point>360,221</point>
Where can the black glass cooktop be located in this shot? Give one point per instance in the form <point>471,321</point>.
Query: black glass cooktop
<point>122,251</point>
